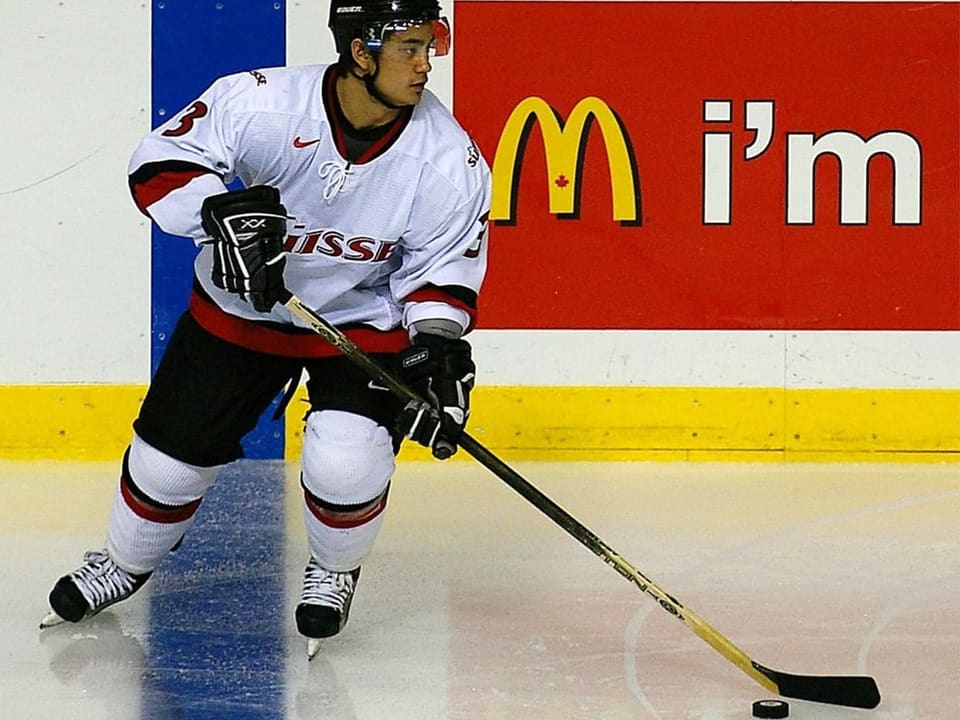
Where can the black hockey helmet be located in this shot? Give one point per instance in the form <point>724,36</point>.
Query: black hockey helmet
<point>371,20</point>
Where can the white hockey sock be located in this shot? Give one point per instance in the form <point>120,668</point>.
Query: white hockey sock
<point>138,544</point>
<point>347,465</point>
<point>341,538</point>
<point>153,507</point>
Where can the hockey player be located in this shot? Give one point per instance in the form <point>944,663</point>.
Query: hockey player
<point>365,198</point>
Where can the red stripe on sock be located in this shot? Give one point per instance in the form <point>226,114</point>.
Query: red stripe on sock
<point>344,520</point>
<point>153,513</point>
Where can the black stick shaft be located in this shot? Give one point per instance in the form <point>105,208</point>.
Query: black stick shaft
<point>852,691</point>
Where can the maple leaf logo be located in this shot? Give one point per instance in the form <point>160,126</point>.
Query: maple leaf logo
<point>561,182</point>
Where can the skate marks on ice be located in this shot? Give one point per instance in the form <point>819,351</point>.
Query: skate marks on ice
<point>217,608</point>
<point>109,669</point>
<point>475,606</point>
<point>854,585</point>
<point>205,636</point>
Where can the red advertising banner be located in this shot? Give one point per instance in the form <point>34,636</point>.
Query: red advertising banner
<point>717,165</point>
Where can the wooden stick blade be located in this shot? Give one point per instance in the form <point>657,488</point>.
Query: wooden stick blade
<point>857,691</point>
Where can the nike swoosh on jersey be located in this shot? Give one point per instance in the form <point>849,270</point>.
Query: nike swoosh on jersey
<point>298,143</point>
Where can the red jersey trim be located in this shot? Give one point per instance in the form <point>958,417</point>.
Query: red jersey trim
<point>160,185</point>
<point>286,341</point>
<point>434,294</point>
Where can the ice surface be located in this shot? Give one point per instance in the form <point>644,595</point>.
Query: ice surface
<point>473,605</point>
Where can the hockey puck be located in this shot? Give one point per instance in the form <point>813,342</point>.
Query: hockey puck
<point>770,709</point>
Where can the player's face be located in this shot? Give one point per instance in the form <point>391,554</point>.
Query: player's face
<point>405,64</point>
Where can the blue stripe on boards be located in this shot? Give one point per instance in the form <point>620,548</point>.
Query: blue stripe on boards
<point>193,43</point>
<point>215,647</point>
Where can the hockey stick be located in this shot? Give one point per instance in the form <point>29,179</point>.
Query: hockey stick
<point>850,691</point>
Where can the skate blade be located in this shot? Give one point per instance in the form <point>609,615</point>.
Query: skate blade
<point>51,619</point>
<point>313,647</point>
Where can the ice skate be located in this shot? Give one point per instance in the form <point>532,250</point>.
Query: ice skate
<point>96,585</point>
<point>324,603</point>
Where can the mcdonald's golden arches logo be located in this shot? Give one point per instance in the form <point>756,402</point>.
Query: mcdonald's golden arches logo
<point>564,146</point>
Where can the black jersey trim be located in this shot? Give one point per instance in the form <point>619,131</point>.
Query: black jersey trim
<point>147,171</point>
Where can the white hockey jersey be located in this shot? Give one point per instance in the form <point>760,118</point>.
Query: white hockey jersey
<point>398,236</point>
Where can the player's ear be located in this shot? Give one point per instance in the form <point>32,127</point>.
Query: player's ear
<point>361,57</point>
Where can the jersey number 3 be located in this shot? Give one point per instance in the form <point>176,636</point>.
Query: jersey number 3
<point>194,112</point>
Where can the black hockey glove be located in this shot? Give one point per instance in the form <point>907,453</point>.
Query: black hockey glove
<point>442,372</point>
<point>248,228</point>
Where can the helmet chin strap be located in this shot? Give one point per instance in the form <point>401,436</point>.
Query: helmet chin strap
<point>368,82</point>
